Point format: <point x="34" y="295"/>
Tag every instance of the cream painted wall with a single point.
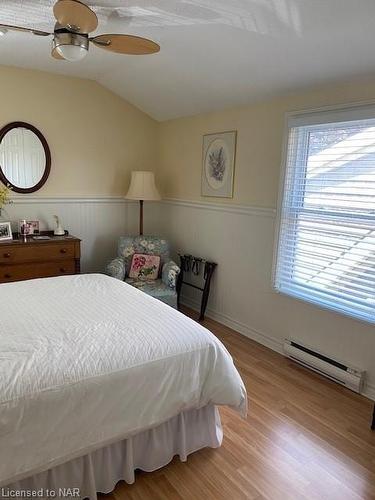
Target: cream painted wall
<point x="96" y="138"/>
<point x="260" y="133"/>
<point x="241" y="239"/>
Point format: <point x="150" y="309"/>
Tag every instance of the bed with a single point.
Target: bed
<point x="97" y="379"/>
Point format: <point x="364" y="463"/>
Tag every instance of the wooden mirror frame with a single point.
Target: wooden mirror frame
<point x="47" y="152"/>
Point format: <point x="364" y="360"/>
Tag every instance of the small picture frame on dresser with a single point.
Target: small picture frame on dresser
<point x="28" y="227"/>
<point x="5" y="231"/>
<point x="34" y="226"/>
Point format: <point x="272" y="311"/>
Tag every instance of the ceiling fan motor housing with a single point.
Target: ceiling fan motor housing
<point x="71" y="46"/>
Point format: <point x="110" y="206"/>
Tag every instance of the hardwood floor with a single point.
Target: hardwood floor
<point x="304" y="438"/>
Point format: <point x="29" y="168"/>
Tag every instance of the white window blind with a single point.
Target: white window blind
<point x="326" y="235"/>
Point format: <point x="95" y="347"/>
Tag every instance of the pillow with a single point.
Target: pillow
<point x="144" y="267"/>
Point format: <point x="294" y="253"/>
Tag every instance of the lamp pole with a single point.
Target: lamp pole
<point x="140" y="217"/>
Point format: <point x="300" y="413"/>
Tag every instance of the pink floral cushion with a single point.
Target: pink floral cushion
<point x="144" y="267"/>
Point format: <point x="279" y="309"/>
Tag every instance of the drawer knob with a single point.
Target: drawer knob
<point x="63" y="250"/>
<point x="7" y="255"/>
<point x="7" y="276"/>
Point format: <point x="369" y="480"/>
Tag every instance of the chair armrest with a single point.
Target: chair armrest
<point x="116" y="268"/>
<point x="170" y="273"/>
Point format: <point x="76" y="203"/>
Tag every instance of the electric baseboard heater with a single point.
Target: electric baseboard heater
<point x="350" y="377"/>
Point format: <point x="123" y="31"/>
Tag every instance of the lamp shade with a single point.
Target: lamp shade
<point x="142" y="187"/>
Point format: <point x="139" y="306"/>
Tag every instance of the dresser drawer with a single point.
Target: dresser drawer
<point x="36" y="270"/>
<point x="34" y="253"/>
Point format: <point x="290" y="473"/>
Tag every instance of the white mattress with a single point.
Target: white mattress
<point x="88" y="360"/>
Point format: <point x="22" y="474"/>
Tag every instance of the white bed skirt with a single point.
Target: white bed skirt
<point x="149" y="450"/>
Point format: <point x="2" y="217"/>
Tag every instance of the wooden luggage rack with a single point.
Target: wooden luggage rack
<point x="192" y="265"/>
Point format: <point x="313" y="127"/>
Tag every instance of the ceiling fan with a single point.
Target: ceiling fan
<point x="75" y="20"/>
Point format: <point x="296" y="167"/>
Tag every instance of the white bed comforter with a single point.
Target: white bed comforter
<point x="88" y="360"/>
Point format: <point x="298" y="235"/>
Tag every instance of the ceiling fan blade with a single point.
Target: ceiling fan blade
<point x="126" y="44"/>
<point x="75" y="15"/>
<point x="25" y="30"/>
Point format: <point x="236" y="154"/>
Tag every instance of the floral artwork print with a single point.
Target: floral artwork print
<point x="217" y="164"/>
<point x="145" y="266"/>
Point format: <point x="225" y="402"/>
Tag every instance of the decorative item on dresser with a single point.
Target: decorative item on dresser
<point x="59" y="230"/>
<point x="39" y="258"/>
<point x="5" y="231"/>
<point x="28" y="227"/>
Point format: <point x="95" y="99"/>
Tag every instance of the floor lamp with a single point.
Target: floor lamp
<point x="142" y="188"/>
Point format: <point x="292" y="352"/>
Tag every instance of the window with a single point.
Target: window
<point x="326" y="231"/>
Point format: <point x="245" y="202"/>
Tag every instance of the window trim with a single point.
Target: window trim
<point x="334" y="114"/>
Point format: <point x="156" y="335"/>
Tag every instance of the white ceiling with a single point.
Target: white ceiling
<point x="214" y="53"/>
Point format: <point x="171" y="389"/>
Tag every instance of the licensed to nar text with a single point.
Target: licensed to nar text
<point x="43" y="493"/>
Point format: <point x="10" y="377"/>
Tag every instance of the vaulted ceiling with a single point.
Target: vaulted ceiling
<point x="214" y="53"/>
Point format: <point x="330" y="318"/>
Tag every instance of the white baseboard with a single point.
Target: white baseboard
<point x="239" y="327"/>
<point x="253" y="334"/>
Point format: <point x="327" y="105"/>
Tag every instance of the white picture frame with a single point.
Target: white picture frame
<point x="218" y="162"/>
<point x="5" y="231"/>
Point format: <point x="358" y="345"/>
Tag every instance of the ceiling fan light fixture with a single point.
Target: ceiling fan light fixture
<point x="71" y="46"/>
<point x="72" y="53"/>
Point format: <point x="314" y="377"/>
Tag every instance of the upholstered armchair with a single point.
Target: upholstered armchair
<point x="164" y="288"/>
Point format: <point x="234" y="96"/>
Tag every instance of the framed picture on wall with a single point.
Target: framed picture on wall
<point x="5" y="231"/>
<point x="219" y="156"/>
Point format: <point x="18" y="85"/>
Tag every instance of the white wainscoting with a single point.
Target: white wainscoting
<point x="97" y="221"/>
<point x="237" y="238"/>
<point x="240" y="239"/>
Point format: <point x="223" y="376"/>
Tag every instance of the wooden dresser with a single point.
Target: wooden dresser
<point x="23" y="260"/>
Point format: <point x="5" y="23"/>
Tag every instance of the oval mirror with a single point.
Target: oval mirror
<point x="25" y="158"/>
